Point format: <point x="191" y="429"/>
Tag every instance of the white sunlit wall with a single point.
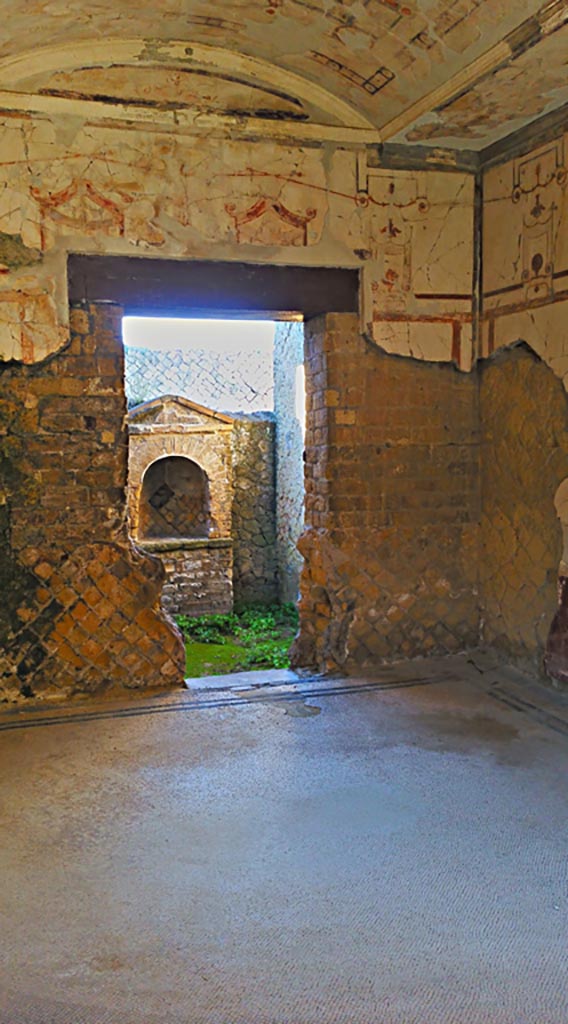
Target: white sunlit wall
<point x="225" y="365"/>
<point x="290" y="414"/>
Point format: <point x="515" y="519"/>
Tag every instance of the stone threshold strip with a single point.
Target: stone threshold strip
<point x="258" y="695"/>
<point x="512" y="698"/>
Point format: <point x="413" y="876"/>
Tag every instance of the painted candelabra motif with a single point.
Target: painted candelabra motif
<point x="525" y="255"/>
<point x="538" y="186"/>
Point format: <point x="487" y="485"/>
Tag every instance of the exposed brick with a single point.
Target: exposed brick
<point x="392" y="505"/>
<point x="71" y="528"/>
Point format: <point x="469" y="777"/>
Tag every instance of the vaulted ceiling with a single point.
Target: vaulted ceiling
<point x="443" y="73"/>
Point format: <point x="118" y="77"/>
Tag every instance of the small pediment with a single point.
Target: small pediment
<point x="170" y="411"/>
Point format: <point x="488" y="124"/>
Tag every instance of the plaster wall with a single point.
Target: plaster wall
<point x="522" y="396"/>
<point x="393" y="499"/>
<point x="67" y="184"/>
<point x="525" y="255"/>
<point x="314" y="62"/>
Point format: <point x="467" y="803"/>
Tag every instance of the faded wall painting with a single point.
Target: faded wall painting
<point x="378" y="56"/>
<point x="418" y="282"/>
<point x="68" y="187"/>
<point x="525" y="255"/>
<point x="512" y="95"/>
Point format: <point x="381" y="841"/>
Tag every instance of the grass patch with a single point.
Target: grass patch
<point x="254" y="637"/>
<point x="211" y="659"/>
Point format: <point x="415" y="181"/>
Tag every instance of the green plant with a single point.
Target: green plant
<point x="268" y="654"/>
<point x="255" y="636"/>
<point x="208" y="629"/>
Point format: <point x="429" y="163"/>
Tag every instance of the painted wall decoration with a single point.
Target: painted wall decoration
<point x="380" y="55"/>
<point x="173" y="88"/>
<point x="525" y="254"/>
<point x="532" y="84"/>
<point x="68" y="186"/>
<point x="418" y="294"/>
<point x="275" y="217"/>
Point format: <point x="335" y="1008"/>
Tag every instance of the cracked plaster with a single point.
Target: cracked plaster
<point x="525" y="255"/>
<point x="514" y="94"/>
<point x="103" y="190"/>
<point x="378" y="55"/>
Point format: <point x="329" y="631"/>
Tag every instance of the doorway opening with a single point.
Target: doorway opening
<point x="135" y="639"/>
<point x="216" y="418"/>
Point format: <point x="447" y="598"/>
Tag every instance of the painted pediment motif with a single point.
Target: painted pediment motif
<point x="269" y="222"/>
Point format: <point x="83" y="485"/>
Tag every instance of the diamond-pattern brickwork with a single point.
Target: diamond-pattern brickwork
<point x="429" y="508"/>
<point x="254" y="511"/>
<point x="83" y="610"/>
<point x="239" y="381"/>
<point x="174" y="500"/>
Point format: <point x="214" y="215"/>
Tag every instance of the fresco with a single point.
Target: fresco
<point x="171" y="87"/>
<point x="514" y="95"/>
<point x="378" y="55"/>
<point x="72" y="187"/>
<point x="525" y="254"/>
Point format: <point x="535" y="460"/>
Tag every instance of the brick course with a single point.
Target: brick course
<point x="199" y="577"/>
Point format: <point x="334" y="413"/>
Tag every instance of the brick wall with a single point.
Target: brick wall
<point x="407" y="540"/>
<point x="199" y="576"/>
<point x="392" y="504"/>
<point x="83" y="612"/>
<point x="524" y="417"/>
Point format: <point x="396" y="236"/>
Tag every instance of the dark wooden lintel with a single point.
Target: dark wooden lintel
<point x="207" y="288"/>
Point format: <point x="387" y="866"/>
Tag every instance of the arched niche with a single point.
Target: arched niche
<point x="174" y="500"/>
